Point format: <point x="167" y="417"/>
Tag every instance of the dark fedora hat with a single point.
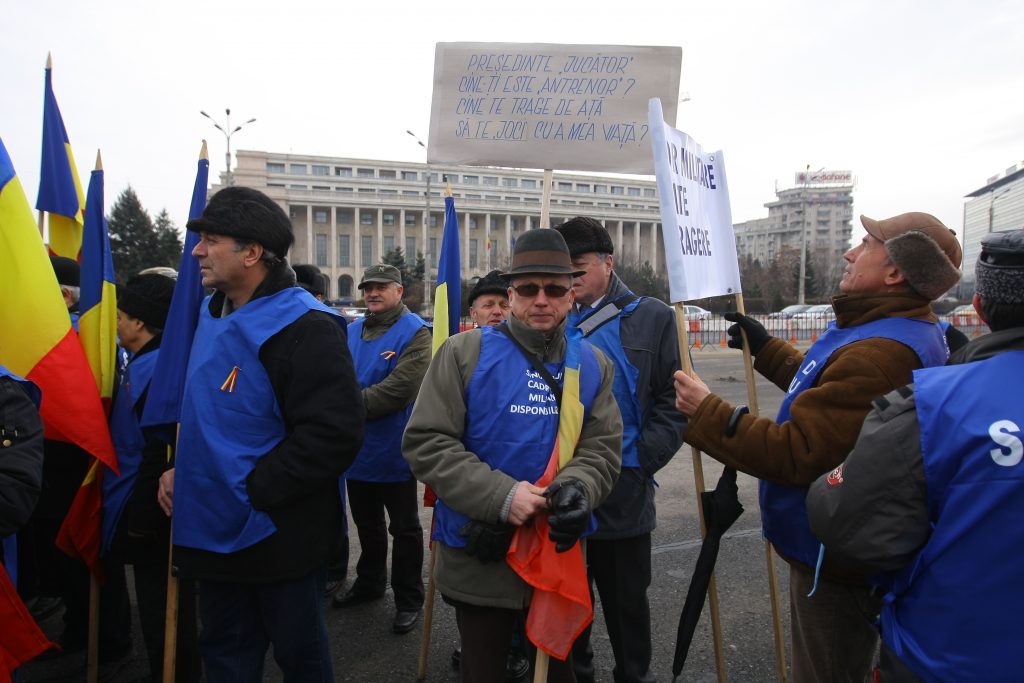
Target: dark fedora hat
<point x="541" y="251"/>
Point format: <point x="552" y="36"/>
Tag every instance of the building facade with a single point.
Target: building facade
<point x="348" y="213"/>
<point x="996" y="206"/>
<point x="821" y="214"/>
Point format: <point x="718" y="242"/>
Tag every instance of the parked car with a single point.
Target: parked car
<point x="789" y="311"/>
<point x="815" y="317"/>
<point x="964" y="316"/>
<point x="350" y="313"/>
<point x="697" y="313"/>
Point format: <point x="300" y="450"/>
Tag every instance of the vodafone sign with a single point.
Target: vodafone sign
<point x="824" y="177"/>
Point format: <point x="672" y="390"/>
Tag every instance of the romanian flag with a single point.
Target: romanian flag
<point x="60" y="192"/>
<point x="448" y="295"/>
<point x="163" y="401"/>
<point x="97" y="305"/>
<point x="560" y="609"/>
<point x="38" y="342"/>
<point x="21" y="640"/>
<point x="79" y="535"/>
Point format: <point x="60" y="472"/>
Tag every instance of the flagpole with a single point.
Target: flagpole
<point x="698" y="482"/>
<point x="545" y="203"/>
<point x="773" y="585"/>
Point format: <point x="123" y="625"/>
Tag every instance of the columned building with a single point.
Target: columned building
<point x="348" y="213"/>
<point x="995" y="207"/>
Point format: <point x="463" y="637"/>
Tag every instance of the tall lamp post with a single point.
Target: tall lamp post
<point x="228" y="132"/>
<point x="992" y="206"/>
<point x="426" y="222"/>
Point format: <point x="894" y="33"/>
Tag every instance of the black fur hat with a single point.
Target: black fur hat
<point x="999" y="275"/>
<point x="147" y="297"/>
<point x="584" y="235"/>
<point x="67" y="270"/>
<point x="492" y="283"/>
<point x="247" y="214"/>
<point x="310" y="278"/>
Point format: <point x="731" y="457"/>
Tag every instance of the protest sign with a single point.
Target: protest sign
<point x="568" y="107"/>
<point x="700" y="249"/>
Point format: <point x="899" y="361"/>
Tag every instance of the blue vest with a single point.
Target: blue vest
<point x="783" y="510"/>
<point x="10" y="543"/>
<point x="512" y="417"/>
<point x="229" y="420"/>
<point x="128" y="442"/>
<point x="380" y="459"/>
<point x="953" y="613"/>
<point x="607" y="337"/>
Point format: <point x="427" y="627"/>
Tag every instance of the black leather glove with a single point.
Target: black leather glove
<point x="570" y="513"/>
<point x="488" y="542"/>
<point x="756" y="334"/>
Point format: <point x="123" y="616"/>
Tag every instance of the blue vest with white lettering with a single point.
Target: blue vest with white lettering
<point x="9" y="555"/>
<point x="783" y="511"/>
<point x="953" y="613"/>
<point x="512" y="417"/>
<point x="608" y="338"/>
<point x="229" y="420"/>
<point x="380" y="459"/>
<point x="128" y="442"/>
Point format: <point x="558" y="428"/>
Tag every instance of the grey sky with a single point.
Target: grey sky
<point x="922" y="100"/>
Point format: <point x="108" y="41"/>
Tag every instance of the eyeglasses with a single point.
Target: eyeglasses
<point x="551" y="291"/>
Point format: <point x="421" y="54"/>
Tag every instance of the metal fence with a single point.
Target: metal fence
<point x="711" y="333"/>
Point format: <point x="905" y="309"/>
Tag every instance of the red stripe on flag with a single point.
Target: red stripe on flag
<point x="21" y="640"/>
<point x="79" y="535"/>
<point x="69" y="410"/>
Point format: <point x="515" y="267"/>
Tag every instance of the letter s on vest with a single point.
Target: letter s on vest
<point x="999" y="431"/>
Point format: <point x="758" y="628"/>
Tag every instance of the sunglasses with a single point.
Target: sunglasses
<point x="551" y="291"/>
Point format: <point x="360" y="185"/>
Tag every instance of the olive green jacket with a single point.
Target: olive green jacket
<point x="433" y="446"/>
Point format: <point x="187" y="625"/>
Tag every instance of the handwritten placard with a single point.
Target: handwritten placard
<point x="696" y="219"/>
<point x="567" y="107"/>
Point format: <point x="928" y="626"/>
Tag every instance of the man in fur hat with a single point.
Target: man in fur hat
<point x="927" y="496"/>
<point x="488" y="300"/>
<point x="271" y="417"/>
<point x="884" y="330"/>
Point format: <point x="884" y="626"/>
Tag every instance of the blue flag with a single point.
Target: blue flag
<point x="448" y="295"/>
<point x="163" y="403"/>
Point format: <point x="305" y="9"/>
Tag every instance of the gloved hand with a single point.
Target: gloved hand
<point x="756" y="334"/>
<point x="488" y="542"/>
<point x="570" y="513"/>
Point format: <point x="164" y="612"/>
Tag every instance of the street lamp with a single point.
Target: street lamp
<point x="228" y="132"/>
<point x="992" y="205"/>
<point x="426" y="221"/>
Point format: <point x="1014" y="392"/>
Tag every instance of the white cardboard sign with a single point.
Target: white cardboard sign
<point x="566" y="107"/>
<point x="696" y="220"/>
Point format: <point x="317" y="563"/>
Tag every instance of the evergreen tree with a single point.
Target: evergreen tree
<point x="135" y="243"/>
<point x="169" y="250"/>
<point x="643" y="280"/>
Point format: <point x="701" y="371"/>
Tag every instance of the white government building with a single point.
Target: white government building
<point x="348" y="213"/>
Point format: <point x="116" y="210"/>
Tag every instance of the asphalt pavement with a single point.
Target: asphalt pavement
<point x="366" y="651"/>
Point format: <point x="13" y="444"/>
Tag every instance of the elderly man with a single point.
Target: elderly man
<point x="482" y="434"/>
<point x="391" y="349"/>
<point x="135" y="531"/>
<point x="884" y="330"/>
<point x="488" y="300"/>
<point x="271" y="417"/>
<point x="928" y="494"/>
<point x="639" y="335"/>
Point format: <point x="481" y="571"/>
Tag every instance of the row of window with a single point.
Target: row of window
<point x="274" y="167"/>
<point x="321" y="217"/>
<point x="366" y="257"/>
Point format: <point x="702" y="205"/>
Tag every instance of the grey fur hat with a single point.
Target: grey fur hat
<point x="999" y="275"/>
<point x="926" y="251"/>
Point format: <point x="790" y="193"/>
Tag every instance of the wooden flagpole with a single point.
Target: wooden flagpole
<point x="773" y="586"/>
<point x="171" y="611"/>
<point x="698" y="482"/>
<point x="93" y="642"/>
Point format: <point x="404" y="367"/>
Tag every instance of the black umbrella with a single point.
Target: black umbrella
<point x="721" y="508"/>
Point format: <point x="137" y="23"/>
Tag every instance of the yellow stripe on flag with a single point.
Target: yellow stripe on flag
<point x="98" y="334"/>
<point x="65" y="236"/>
<point x="570" y="418"/>
<point x="441" y="331"/>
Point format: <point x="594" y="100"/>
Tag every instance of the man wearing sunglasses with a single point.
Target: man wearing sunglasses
<point x="482" y="433"/>
<point x="639" y="335"/>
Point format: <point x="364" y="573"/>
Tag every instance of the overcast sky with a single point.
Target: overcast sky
<point x="923" y="101"/>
